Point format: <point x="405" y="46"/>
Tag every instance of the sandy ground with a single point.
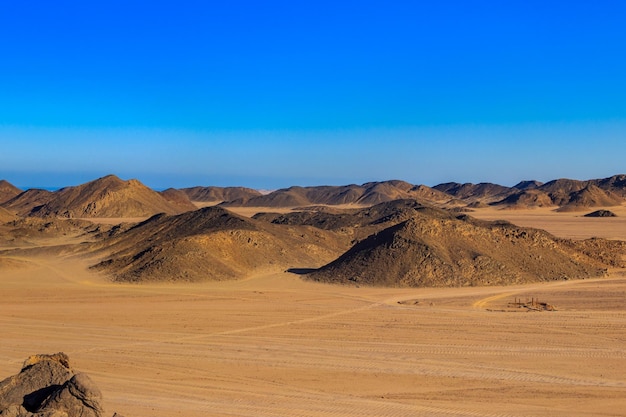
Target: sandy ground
<point x="275" y="345"/>
<point x="570" y="224"/>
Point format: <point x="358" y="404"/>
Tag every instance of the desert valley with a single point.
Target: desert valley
<point x="380" y="299"/>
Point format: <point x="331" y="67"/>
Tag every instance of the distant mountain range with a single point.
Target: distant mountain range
<point x="110" y="196"/>
<point x="388" y="233"/>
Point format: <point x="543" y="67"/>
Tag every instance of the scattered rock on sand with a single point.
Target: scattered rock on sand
<point x="48" y="387"/>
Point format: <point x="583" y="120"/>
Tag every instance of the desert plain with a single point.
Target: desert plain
<point x="274" y="344"/>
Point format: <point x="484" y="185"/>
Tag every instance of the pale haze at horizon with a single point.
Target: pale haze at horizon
<point x="287" y="93"/>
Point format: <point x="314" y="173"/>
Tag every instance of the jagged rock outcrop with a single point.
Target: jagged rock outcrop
<point x="48" y="387"/>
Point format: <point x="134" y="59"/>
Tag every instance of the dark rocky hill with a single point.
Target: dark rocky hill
<point x="212" y="244"/>
<point x="590" y="196"/>
<point x="220" y="194"/>
<point x="24" y="203"/>
<point x="433" y="251"/>
<point x="365" y="195"/>
<point x="468" y="192"/>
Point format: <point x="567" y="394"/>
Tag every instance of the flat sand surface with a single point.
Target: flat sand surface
<point x="275" y="345"/>
<point x="569" y="224"/>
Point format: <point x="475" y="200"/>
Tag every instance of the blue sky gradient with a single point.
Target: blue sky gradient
<point x="277" y="93"/>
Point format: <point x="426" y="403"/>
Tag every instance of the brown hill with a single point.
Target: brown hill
<point x="213" y="244"/>
<point x="285" y="197"/>
<point x="528" y="185"/>
<point x="367" y="194"/>
<point x="527" y="198"/>
<point x="432" y="195"/>
<point x="615" y="184"/>
<point x="591" y="196"/>
<point x="356" y="223"/>
<point x="8" y="191"/>
<point x="23" y="232"/>
<point x="485" y="192"/>
<point x="28" y="201"/>
<point x="6" y="215"/>
<point x="561" y="189"/>
<point x="435" y="251"/>
<point x="379" y="192"/>
<point x="107" y="197"/>
<point x="178" y="198"/>
<point x="219" y="194"/>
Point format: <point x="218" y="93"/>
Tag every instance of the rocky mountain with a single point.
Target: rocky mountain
<point x="220" y="194"/>
<point x="468" y="192"/>
<point x="528" y="185"/>
<point x="8" y="191"/>
<point x="590" y="196"/>
<point x="615" y="184"/>
<point x="24" y="203"/>
<point x="178" y="198"/>
<point x="560" y="190"/>
<point x="567" y="195"/>
<point x="367" y="194"/>
<point x="527" y="198"/>
<point x="212" y="244"/>
<point x="358" y="223"/>
<point x="6" y="215"/>
<point x="107" y="197"/>
<point x="438" y="250"/>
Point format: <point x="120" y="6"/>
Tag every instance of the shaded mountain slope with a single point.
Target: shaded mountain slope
<point x="6" y="215"/>
<point x="527" y="185"/>
<point x="484" y="192"/>
<point x="357" y="223"/>
<point x="8" y="191"/>
<point x="367" y="194"/>
<point x="107" y="197"/>
<point x="527" y="198"/>
<point x="568" y="195"/>
<point x="212" y="244"/>
<point x="219" y="194"/>
<point x="27" y="232"/>
<point x="27" y="201"/>
<point x="427" y="251"/>
<point x="590" y="196"/>
<point x="561" y="189"/>
<point x="286" y="197"/>
<point x="178" y="198"/>
<point x="615" y="184"/>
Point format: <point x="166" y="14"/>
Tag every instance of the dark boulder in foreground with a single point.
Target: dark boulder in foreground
<point x="601" y="213"/>
<point x="48" y="387"/>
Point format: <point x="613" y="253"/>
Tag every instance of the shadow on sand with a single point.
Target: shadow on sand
<point x="301" y="271"/>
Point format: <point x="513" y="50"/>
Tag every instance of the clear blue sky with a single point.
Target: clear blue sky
<point x="275" y="93"/>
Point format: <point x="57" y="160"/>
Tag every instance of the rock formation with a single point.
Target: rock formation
<point x="601" y="213"/>
<point x="48" y="387"/>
